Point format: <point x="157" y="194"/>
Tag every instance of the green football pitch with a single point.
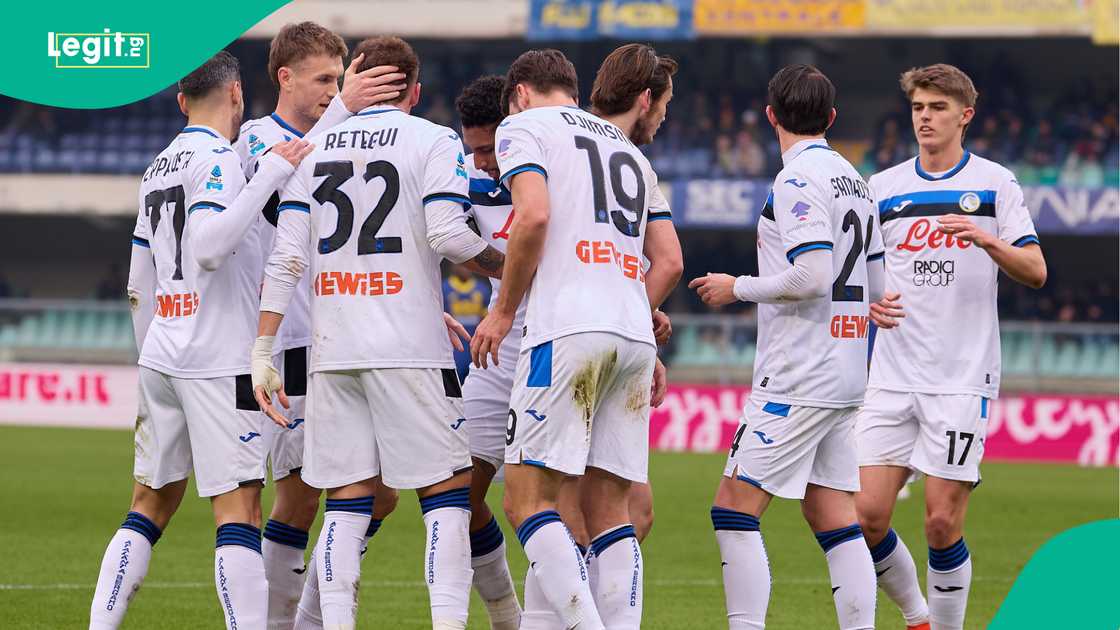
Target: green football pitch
<point x="65" y="491"/>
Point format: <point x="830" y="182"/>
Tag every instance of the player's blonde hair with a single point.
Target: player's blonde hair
<point x="943" y="78"/>
<point x="296" y="42"/>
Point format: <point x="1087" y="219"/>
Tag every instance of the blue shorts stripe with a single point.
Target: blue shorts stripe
<point x="540" y="366"/>
<point x="778" y="409"/>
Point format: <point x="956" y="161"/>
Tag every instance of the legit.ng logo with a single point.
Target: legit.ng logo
<point x="105" y="50"/>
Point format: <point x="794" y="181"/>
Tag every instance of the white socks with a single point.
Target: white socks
<point x="538" y="613"/>
<point x="123" y="568"/>
<point x="239" y="577"/>
<point x="617" y="578"/>
<point x="447" y="557"/>
<point x="898" y="577"/>
<point x="746" y="569"/>
<point x="559" y="569"/>
<point x="283" y="549"/>
<point x="338" y="559"/>
<point x="492" y="579"/>
<point x="853" y="576"/>
<point x="947" y="583"/>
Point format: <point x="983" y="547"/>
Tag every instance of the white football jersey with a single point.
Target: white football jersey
<point x="256" y="138"/>
<point x="813" y="352"/>
<point x="601" y="187"/>
<point x="205" y="321"/>
<point x="377" y="190"/>
<point x="949" y="341"/>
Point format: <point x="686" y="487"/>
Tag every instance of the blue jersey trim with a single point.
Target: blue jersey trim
<point x="199" y="130"/>
<point x="806" y="247"/>
<point x="1026" y="240"/>
<point x="373" y="112"/>
<point x="294" y="205"/>
<point x="929" y="197"/>
<point x="953" y="171"/>
<point x="283" y="123"/>
<point x="142" y="242"/>
<point x="206" y="205"/>
<point x="874" y="257"/>
<point x="523" y="168"/>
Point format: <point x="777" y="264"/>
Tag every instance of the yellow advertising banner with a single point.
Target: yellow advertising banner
<point x="1106" y="21"/>
<point x="983" y="16"/>
<point x="767" y="17"/>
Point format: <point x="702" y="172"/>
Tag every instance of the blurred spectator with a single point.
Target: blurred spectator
<point x="112" y="284"/>
<point x="465" y="297"/>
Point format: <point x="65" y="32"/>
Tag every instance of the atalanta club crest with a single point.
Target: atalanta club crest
<point x="969" y="202"/>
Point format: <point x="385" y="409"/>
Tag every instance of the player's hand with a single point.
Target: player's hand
<point x="488" y="337"/>
<point x="887" y="311"/>
<point x="293" y="150"/>
<point x="662" y="328"/>
<point x="660" y="384"/>
<point x="715" y="289"/>
<point x="266" y="380"/>
<point x="457" y="332"/>
<point x="964" y="229"/>
<point x="370" y="86"/>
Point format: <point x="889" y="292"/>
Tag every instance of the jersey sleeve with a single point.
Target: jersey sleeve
<point x="801" y="213"/>
<point x="875" y="247"/>
<point x="519" y="148"/>
<point x="659" y="209"/>
<point x="216" y="178"/>
<point x="142" y="233"/>
<point x="445" y="172"/>
<point x="291" y="248"/>
<point x="1013" y="219"/>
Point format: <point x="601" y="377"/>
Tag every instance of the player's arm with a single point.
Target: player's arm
<point x="446" y="204"/>
<point x="523" y="164"/>
<point x="662" y="248"/>
<point x="141" y="281"/>
<point x="1016" y="248"/>
<point x="217" y="228"/>
<point x="802" y="219"/>
<point x="290" y="257"/>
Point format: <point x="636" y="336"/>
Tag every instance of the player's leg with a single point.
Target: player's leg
<point x="296" y="503"/>
<point x="619" y="457"/>
<point x="309" y="611"/>
<point x="949" y="451"/>
<point x="886" y="431"/>
<point x="486" y="407"/>
<point x="640" y="502"/>
<point x="547" y="439"/>
<point x="423" y="446"/>
<point x="738" y="506"/>
<point x="162" y="459"/>
<point x="492" y="578"/>
<point x="340" y="454"/>
<point x="829" y="508"/>
<point x="224" y="423"/>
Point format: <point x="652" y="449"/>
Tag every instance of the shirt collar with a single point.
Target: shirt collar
<point x="935" y="178"/>
<point x="283" y="123"/>
<point x="373" y="110"/>
<point x="801" y="147"/>
<point x="210" y="131"/>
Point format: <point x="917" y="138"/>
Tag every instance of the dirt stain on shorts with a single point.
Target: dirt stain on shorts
<point x="589" y="383"/>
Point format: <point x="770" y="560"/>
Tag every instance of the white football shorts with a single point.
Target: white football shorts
<point x="486" y="395"/>
<point x="783" y="448"/>
<point x="583" y="400"/>
<point x="404" y="424"/>
<point x="212" y="425"/>
<point x="941" y="435"/>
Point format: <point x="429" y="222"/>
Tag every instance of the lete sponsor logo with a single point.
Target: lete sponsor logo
<point x="1023" y="427"/>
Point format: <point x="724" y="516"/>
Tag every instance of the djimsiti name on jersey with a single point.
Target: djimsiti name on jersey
<point x="107" y="49"/>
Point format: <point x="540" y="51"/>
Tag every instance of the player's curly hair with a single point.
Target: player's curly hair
<point x="480" y="103"/>
<point x="219" y="70"/>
